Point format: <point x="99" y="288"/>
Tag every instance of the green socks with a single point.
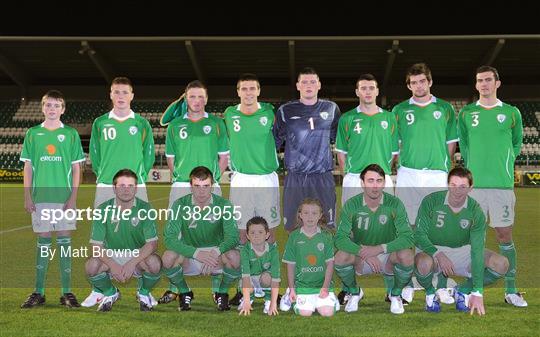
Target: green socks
<point x="509" y="251"/>
<point x="347" y="275"/>
<point x="42" y="262"/>
<point x="176" y="277"/>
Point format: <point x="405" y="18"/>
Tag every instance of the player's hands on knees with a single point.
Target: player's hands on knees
<point x="375" y="264"/>
<point x="117" y="272"/>
<point x="292" y="294"/>
<point x="323" y="293"/>
<point x="477" y="303"/>
<point x="208" y="257"/>
<point x="369" y="251"/>
<point x="128" y="269"/>
<point x="206" y="269"/>
<point x="446" y="266"/>
<point x="246" y="307"/>
<point x="29" y="205"/>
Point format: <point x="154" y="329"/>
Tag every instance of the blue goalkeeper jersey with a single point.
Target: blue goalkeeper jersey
<point x="307" y="131"/>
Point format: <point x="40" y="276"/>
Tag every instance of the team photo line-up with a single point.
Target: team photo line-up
<point x="432" y="226"/>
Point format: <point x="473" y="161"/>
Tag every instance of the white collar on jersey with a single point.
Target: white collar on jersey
<point x="462" y="207"/>
<point x="499" y="103"/>
<point x="316" y="232"/>
<point x="358" y="109"/>
<point x="265" y="250"/>
<point x="43" y="124"/>
<point x="258" y="106"/>
<point x="115" y="116"/>
<point x="432" y="100"/>
<point x="364" y="200"/>
<point x="186" y="116"/>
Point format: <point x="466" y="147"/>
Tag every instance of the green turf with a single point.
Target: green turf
<point x="17" y="254"/>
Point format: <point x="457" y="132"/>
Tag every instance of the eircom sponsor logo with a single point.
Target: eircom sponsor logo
<point x="312" y="260"/>
<point x="51" y="150"/>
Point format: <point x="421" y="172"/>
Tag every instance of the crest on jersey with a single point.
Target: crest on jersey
<point x="464" y="223"/>
<point x="206" y="129"/>
<point x="382" y="219"/>
<point x="133" y="130"/>
<point x="61" y="138"/>
<point x="501" y="118"/>
<point x="320" y="246"/>
<point x="324" y="115"/>
<point x="437" y="114"/>
<point x="134" y="221"/>
<point x="263" y="120"/>
<point x="384" y="125"/>
<point x="266" y="265"/>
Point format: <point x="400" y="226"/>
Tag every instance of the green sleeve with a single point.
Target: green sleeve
<point x="517" y="132"/>
<point x="98" y="232"/>
<point x="275" y="266"/>
<point x="94" y="148"/>
<point x="76" y="148"/>
<point x="342" y="239"/>
<point x="423" y="222"/>
<point x="170" y="141"/>
<point x="404" y="234"/>
<point x="451" y="127"/>
<point x="148" y="148"/>
<point x="244" y="261"/>
<point x="341" y="139"/>
<point x="463" y="136"/>
<point x="174" y="241"/>
<point x="149" y="229"/>
<point x="329" y="248"/>
<point x="289" y="256"/>
<point x="26" y="154"/>
<point x="395" y="111"/>
<point x="478" y="238"/>
<point x="395" y="135"/>
<point x="223" y="139"/>
<point x="230" y="231"/>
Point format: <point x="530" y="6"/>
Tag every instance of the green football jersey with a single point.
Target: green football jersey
<point x="490" y="141"/>
<point x="193" y="144"/>
<point x="367" y="139"/>
<point x="51" y="154"/>
<point x="116" y="145"/>
<point x="251" y="263"/>
<point x="113" y="232"/>
<point x="424" y="132"/>
<point x="359" y="225"/>
<point x="253" y="148"/>
<point x="309" y="255"/>
<point x="192" y="227"/>
<point x="437" y="224"/>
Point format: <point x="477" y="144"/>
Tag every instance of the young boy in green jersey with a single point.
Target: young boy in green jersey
<point x="309" y="255"/>
<point x="52" y="154"/>
<point x="260" y="267"/>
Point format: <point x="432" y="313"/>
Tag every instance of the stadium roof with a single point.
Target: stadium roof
<point x="218" y="60"/>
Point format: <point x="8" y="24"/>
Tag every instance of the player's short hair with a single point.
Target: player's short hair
<point x="201" y="173"/>
<point x="248" y="77"/>
<point x="258" y="220"/>
<point x="122" y="80"/>
<point x="484" y="69"/>
<point x="461" y="172"/>
<point x="374" y="168"/>
<point x="124" y="173"/>
<point x="366" y="77"/>
<point x="311" y="201"/>
<point x="196" y="84"/>
<point x="54" y="94"/>
<point x="418" y="69"/>
<point x="307" y="71"/>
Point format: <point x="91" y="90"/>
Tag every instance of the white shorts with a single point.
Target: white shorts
<point x="498" y="205"/>
<point x="193" y="267"/>
<point x="105" y="192"/>
<point x="313" y="302"/>
<point x="181" y="189"/>
<point x="352" y="186"/>
<point x="256" y="195"/>
<point x="122" y="260"/>
<point x="42" y="218"/>
<point x="413" y="185"/>
<point x="460" y="257"/>
<point x="366" y="269"/>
